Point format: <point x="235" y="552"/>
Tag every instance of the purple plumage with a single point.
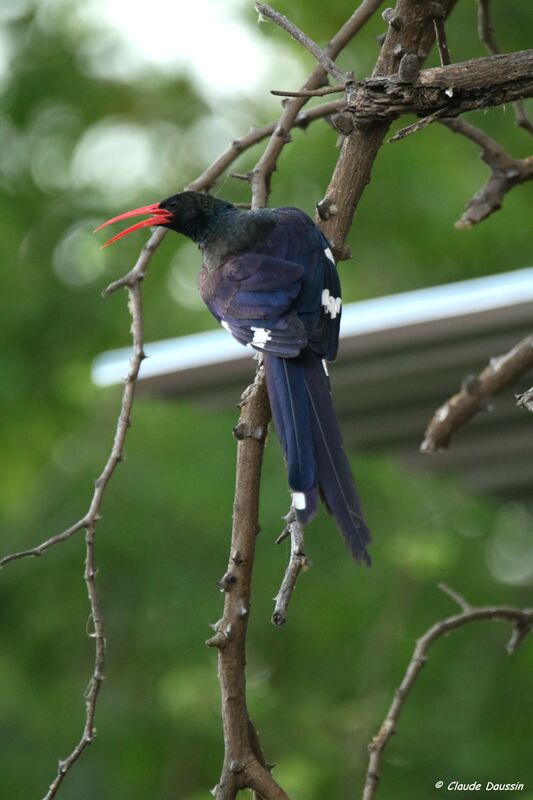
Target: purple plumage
<point x="269" y="278"/>
<point x="282" y="297"/>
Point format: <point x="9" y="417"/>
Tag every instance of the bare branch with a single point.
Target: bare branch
<point x="521" y="621"/>
<point x="298" y="561"/>
<point x="488" y="38"/>
<point x="132" y="282"/>
<point x="410" y="31"/>
<point x="506" y="173"/>
<point x="208" y="178"/>
<point x="310" y="92"/>
<point x="484" y="27"/>
<point x="452" y="89"/>
<point x="456" y="597"/>
<point x="262" y="173"/>
<point x="525" y="400"/>
<point x="417" y="126"/>
<point x="440" y="34"/>
<point x="299" y="36"/>
<point x="476" y="393"/>
<point x="242" y="766"/>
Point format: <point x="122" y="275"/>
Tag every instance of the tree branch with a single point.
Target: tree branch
<point x="327" y="64"/>
<point x="440" y="34"/>
<point x="208" y="178"/>
<point x="411" y="32"/>
<point x="525" y="400"/>
<point x="488" y="38"/>
<point x="298" y="561"/>
<point x="132" y="282"/>
<point x="521" y="621"/>
<point x="505" y="173"/>
<point x="310" y="92"/>
<point x="476" y="393"/>
<point x="262" y="172"/>
<point x="242" y="768"/>
<point x="450" y="90"/>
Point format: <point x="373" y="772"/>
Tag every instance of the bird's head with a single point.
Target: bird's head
<point x="190" y="213"/>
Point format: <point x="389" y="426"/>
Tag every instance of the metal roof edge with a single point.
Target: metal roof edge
<point x="419" y="306"/>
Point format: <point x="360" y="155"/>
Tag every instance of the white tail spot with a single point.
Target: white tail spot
<point x="261" y="336"/>
<point x="298" y="501"/>
<point x="329" y="255"/>
<point x="332" y="305"/>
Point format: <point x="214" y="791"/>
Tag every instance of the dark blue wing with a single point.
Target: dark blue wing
<point x="319" y="303"/>
<point x="253" y="296"/>
<point x="282" y="296"/>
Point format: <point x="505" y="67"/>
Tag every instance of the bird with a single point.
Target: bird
<point x="269" y="278"/>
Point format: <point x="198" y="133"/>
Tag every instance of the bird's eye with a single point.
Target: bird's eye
<point x="172" y="203"/>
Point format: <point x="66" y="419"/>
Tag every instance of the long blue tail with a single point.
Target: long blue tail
<point x="308" y="429"/>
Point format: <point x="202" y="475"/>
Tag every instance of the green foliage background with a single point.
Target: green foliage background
<point x="320" y="686"/>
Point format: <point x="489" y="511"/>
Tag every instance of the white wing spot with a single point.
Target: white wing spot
<point x="329" y="255"/>
<point x="225" y="326"/>
<point x="261" y="336"/>
<point x="332" y="305"/>
<point x="299" y="501"/>
<point x="325" y="366"/>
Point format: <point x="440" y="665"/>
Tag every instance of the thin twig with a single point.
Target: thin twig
<point x="299" y="36"/>
<point x="484" y="27"/>
<point x="476" y="393"/>
<point x="132" y="281"/>
<point x="309" y="92"/>
<point x="487" y="37"/>
<point x="525" y="400"/>
<point x="263" y="170"/>
<point x="521" y="621"/>
<point x="418" y="126"/>
<point x="209" y="176"/>
<point x="442" y="43"/>
<point x="298" y="561"/>
<point x="456" y="597"/>
<point x="505" y="173"/>
<point x="359" y="150"/>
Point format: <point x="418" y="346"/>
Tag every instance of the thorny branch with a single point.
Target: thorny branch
<point x="505" y="173"/>
<point x="310" y="92"/>
<point x="132" y="281"/>
<point x="208" y="178"/>
<point x="323" y="59"/>
<point x="451" y="89"/>
<point x="476" y="393"/>
<point x="244" y="765"/>
<point x="440" y="34"/>
<point x="521" y="622"/>
<point x="410" y="35"/>
<point x="488" y="38"/>
<point x="262" y="172"/>
<point x="89" y="522"/>
<point x="525" y="400"/>
<point x="298" y="561"/>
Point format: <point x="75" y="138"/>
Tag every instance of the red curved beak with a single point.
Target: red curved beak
<point x="160" y="217"/>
